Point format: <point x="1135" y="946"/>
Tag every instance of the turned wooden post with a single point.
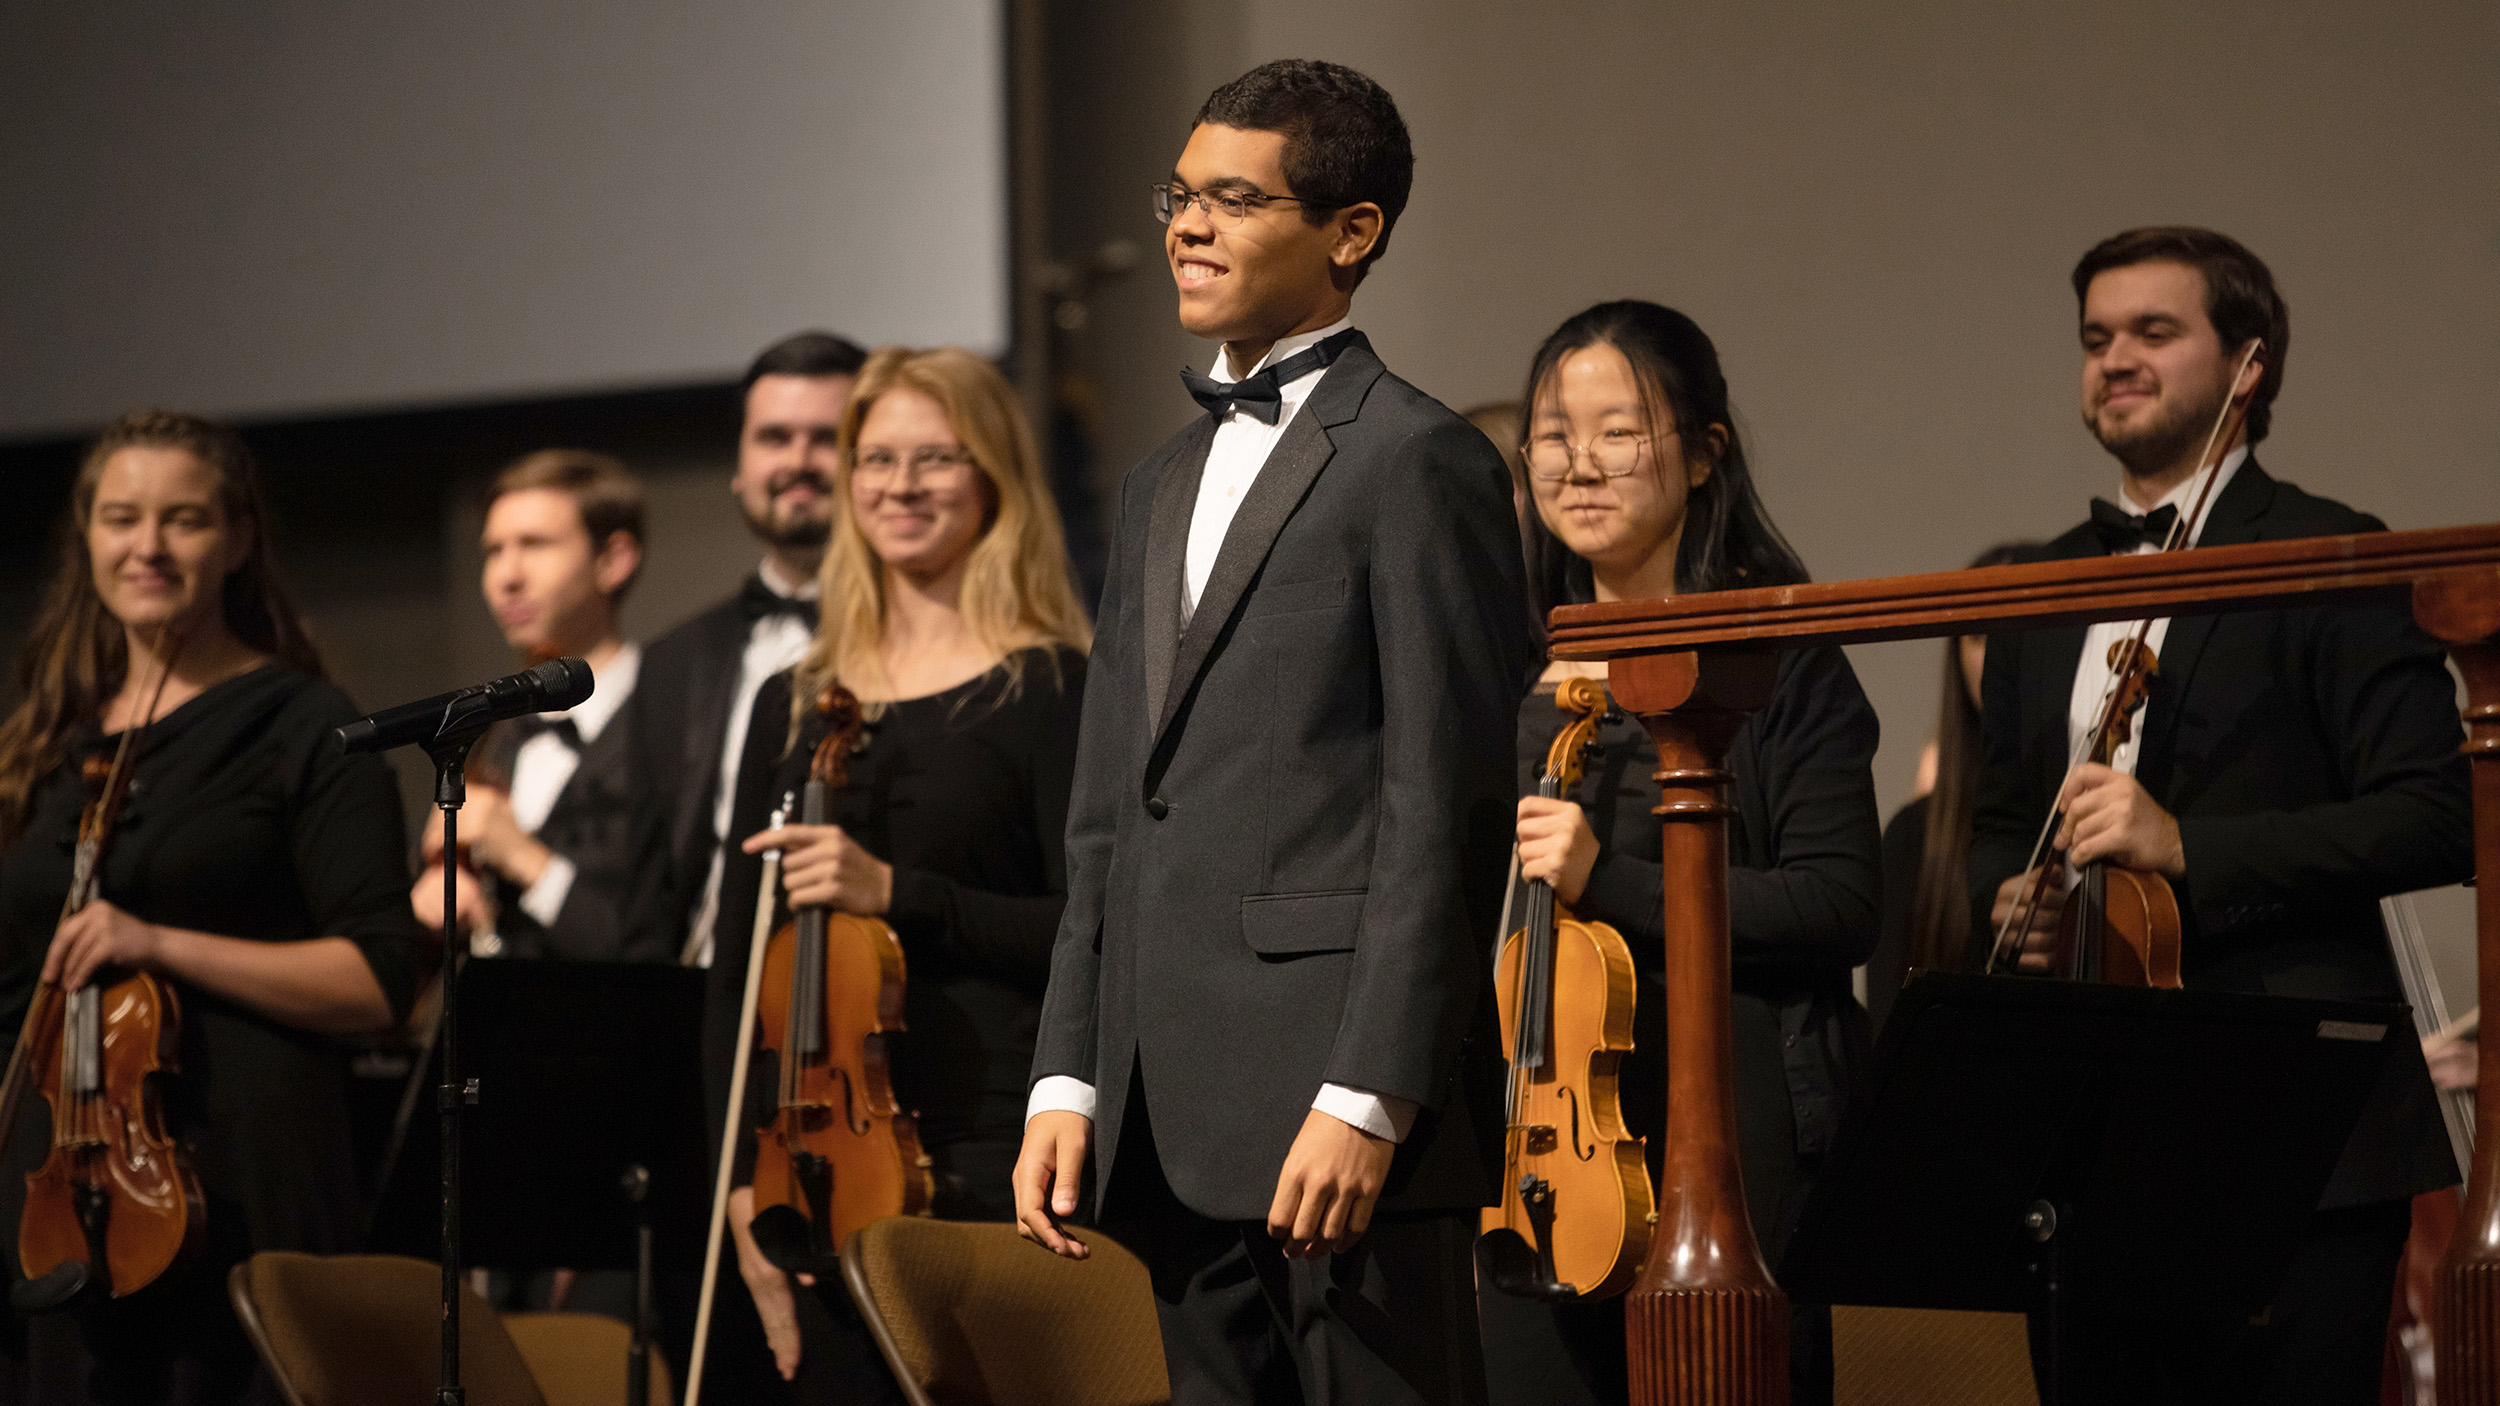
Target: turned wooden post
<point x="1703" y="1323"/>
<point x="2463" y="611"/>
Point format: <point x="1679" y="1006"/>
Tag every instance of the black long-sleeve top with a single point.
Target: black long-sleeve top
<point x="1803" y="887"/>
<point x="965" y="793"/>
<point x="243" y="820"/>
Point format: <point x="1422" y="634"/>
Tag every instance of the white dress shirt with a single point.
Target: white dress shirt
<point x="543" y="766"/>
<point x="2092" y="673"/>
<point x="776" y="642"/>
<point x="1242" y="444"/>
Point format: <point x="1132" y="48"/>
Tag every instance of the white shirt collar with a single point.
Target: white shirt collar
<point x="770" y="575"/>
<point x="1223" y="369"/>
<point x="614" y="684"/>
<point x="2183" y="496"/>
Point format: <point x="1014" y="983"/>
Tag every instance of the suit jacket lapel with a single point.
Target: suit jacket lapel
<point x="1167" y="551"/>
<point x="1291" y="467"/>
<point x="2233" y="519"/>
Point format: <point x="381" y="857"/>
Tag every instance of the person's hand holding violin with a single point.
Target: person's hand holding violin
<point x="1556" y="845"/>
<point x="99" y="936"/>
<point x="822" y="867"/>
<point x="2111" y="817"/>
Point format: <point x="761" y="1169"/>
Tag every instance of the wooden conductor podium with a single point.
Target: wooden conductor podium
<point x="1704" y="1322"/>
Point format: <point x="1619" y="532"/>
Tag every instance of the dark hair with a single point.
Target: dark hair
<point x="77" y="657"/>
<point x="1940" y="907"/>
<point x="805" y="354"/>
<point x="603" y="490"/>
<point x="2240" y="298"/>
<point x="1729" y="540"/>
<point x="1344" y="141"/>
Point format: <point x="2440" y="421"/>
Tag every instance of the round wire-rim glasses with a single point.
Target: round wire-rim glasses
<point x="1615" y="454"/>
<point x="877" y="466"/>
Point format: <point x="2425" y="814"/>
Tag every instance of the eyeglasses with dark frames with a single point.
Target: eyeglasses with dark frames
<point x="1226" y="208"/>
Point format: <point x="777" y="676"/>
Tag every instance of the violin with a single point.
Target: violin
<point x="116" y="1202"/>
<point x="2121" y="924"/>
<point x="834" y="1151"/>
<point x="1577" y="1210"/>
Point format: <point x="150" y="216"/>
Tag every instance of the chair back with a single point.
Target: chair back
<point x="366" y="1330"/>
<point x="1929" y="1357"/>
<point x="970" y="1313"/>
<point x="579" y="1358"/>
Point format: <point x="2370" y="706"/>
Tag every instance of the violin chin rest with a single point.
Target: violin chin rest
<point x="783" y="1235"/>
<point x="1505" y="1260"/>
<point x="57" y="1290"/>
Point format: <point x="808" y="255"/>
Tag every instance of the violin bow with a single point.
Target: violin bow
<point x="2183" y="531"/>
<point x="766" y="893"/>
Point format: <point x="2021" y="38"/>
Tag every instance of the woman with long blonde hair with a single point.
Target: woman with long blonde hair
<point x="256" y="870"/>
<point x="949" y="611"/>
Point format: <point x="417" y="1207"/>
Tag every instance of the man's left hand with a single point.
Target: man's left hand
<point x="1331" y="1181"/>
<point x="2110" y="816"/>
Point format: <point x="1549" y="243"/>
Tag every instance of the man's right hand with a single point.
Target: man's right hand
<point x="774" y="1303"/>
<point x="1046" y="1177"/>
<point x="2039" y="941"/>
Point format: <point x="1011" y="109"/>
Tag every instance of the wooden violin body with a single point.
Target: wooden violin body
<point x="115" y="1203"/>
<point x="1577" y="1209"/>
<point x="117" y="1190"/>
<point x="2121" y="925"/>
<point x="834" y="1150"/>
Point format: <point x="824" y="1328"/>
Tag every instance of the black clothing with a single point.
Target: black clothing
<point x="1286" y="842"/>
<point x="1287" y="837"/>
<point x="678" y="720"/>
<point x="592" y="824"/>
<point x="243" y="820"/>
<point x="1802" y="913"/>
<point x="1905" y="853"/>
<point x="1384" y="1323"/>
<point x="2310" y="756"/>
<point x="965" y="793"/>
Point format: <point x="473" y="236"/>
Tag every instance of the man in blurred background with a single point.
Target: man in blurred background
<point x="549" y="823"/>
<point x="700" y="679"/>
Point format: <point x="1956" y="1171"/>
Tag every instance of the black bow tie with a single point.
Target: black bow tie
<point x="1262" y="397"/>
<point x="539" y="724"/>
<point x="2123" y="531"/>
<point x="758" y="600"/>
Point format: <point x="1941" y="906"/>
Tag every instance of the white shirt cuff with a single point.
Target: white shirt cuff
<point x="1381" y="1115"/>
<point x="1060" y="1093"/>
<point x="544" y="900"/>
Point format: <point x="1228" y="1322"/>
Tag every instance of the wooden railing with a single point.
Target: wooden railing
<point x="1705" y="1322"/>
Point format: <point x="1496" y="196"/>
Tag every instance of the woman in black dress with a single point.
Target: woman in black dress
<point x="949" y="612"/>
<point x="1641" y="490"/>
<point x="260" y="872"/>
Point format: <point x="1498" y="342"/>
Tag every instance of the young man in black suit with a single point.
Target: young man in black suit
<point x="1292" y="803"/>
<point x="555" y="844"/>
<point x="2290" y="768"/>
<point x="700" y="679"/>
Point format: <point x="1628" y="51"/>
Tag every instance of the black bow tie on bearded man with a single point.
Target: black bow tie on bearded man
<point x="1262" y="396"/>
<point x="2122" y="531"/>
<point x="758" y="600"/>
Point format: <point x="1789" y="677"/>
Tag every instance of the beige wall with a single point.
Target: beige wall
<point x="1873" y="210"/>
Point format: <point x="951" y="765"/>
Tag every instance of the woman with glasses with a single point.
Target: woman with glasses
<point x="1641" y="490"/>
<point x="950" y="613"/>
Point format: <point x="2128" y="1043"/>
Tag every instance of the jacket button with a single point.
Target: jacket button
<point x="1158" y="808"/>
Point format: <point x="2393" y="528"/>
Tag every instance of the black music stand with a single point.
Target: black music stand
<point x="586" y="1133"/>
<point x="2055" y="1147"/>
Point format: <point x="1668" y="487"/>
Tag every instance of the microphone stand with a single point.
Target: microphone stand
<point x="451" y="755"/>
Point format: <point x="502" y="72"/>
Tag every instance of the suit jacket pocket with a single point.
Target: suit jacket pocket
<point x="1285" y="597"/>
<point x="1286" y="924"/>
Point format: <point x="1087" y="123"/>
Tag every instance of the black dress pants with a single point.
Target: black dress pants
<point x="1390" y="1321"/>
<point x="2322" y="1341"/>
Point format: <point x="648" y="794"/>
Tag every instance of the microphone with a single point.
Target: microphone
<point x="551" y="687"/>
